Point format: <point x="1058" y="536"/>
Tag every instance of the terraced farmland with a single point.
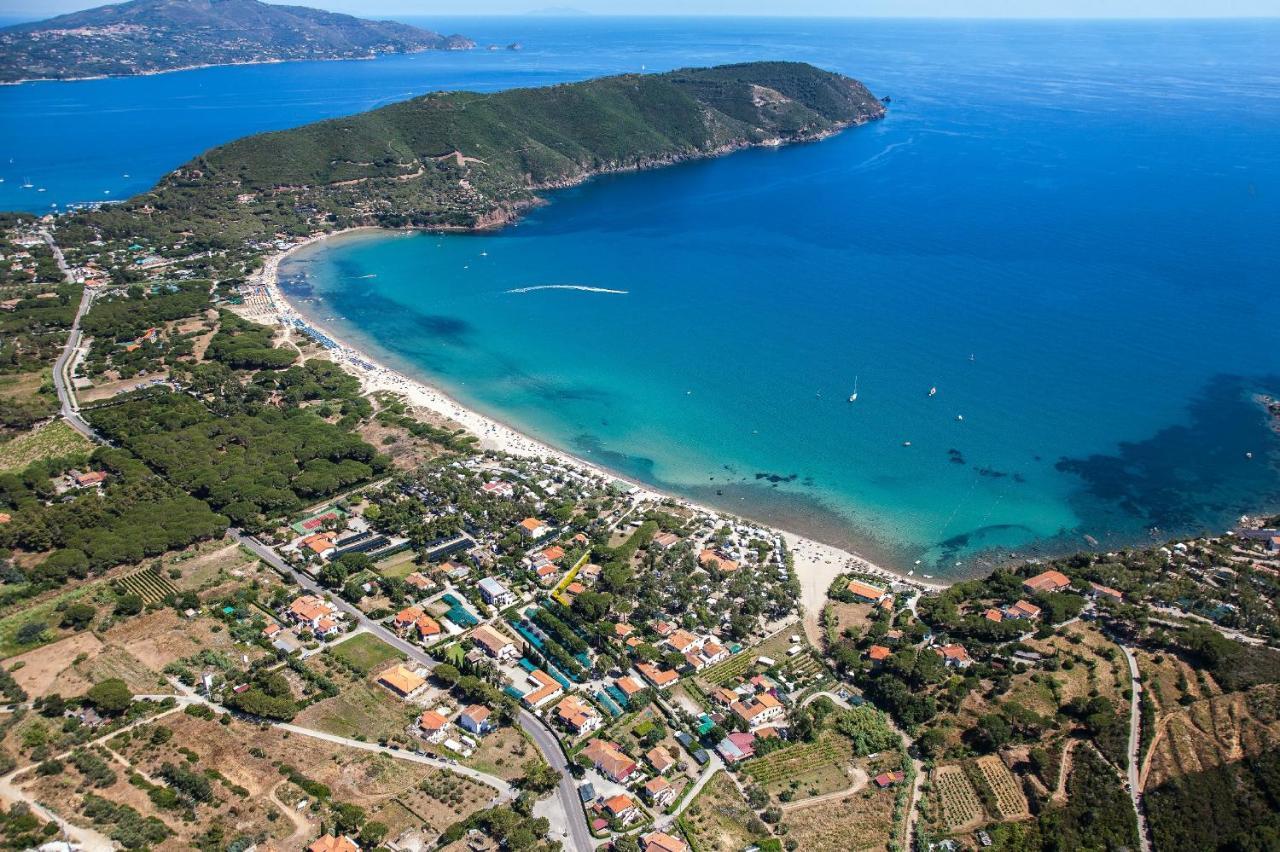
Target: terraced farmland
<point x="150" y="585"/>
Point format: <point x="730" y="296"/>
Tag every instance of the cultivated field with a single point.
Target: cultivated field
<point x="52" y="440"/>
<point x="961" y="808"/>
<point x="250" y="796"/>
<point x="362" y="710"/>
<point x="1213" y="731"/>
<point x="1010" y="800"/>
<point x="365" y="652"/>
<point x="806" y="769"/>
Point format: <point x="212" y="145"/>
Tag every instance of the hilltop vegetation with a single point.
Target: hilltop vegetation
<point x="146" y="36"/>
<point x="465" y="160"/>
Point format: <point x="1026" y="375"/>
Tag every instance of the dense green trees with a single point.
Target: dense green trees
<point x="244" y="345"/>
<point x="254" y="465"/>
<point x="111" y="696"/>
<point x="136" y="516"/>
<point x="126" y="317"/>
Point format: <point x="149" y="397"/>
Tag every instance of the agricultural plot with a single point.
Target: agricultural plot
<point x="960" y="805"/>
<point x="731" y="669"/>
<point x="150" y="585"/>
<point x="775" y="647"/>
<point x="1010" y="800"/>
<point x="53" y="440"/>
<point x="807" y="769"/>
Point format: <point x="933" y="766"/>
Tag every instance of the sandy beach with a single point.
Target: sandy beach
<point x="816" y="564"/>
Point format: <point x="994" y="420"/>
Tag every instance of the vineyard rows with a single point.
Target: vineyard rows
<point x="151" y="586"/>
<point x="1009" y="798"/>
<point x="960" y="805"/>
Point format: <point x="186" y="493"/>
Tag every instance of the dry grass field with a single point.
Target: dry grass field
<point x="859" y="821"/>
<point x="720" y="820"/>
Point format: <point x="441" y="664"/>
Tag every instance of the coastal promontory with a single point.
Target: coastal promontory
<point x="466" y="160"/>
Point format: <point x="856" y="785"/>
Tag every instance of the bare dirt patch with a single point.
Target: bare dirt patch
<point x="44" y="668"/>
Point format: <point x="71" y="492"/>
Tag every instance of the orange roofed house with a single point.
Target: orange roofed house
<point x="659" y="792"/>
<point x="657" y="841"/>
<point x="866" y="592"/>
<point x="661" y="678"/>
<point x="622" y="808"/>
<point x="628" y="685"/>
<point x="1047" y="581"/>
<point x="406" y="617"/>
<point x="329" y="843"/>
<point x="543" y="687"/>
<point x="534" y="528"/>
<point x="401" y="681"/>
<point x="321" y="544"/>
<point x="427" y="627"/>
<point x="955" y="655"/>
<point x="314" y="612"/>
<point x="577" y="715"/>
<point x="1097" y="590"/>
<point x="758" y="710"/>
<point x="434" y="726"/>
<point x="610" y="760"/>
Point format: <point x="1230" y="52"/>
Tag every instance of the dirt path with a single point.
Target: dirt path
<point x="860" y="779"/>
<point x="302" y="829"/>
<point x="1064" y="771"/>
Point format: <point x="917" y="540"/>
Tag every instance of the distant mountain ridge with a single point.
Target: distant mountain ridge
<point x="150" y="36"/>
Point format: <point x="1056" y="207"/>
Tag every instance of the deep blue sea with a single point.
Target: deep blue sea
<point x="1070" y="230"/>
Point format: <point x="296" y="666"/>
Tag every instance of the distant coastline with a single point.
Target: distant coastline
<point x="158" y="71"/>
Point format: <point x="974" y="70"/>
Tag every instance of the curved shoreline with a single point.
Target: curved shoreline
<point x="816" y="563"/>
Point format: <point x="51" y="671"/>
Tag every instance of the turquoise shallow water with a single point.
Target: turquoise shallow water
<point x="1088" y="209"/>
<point x="1074" y="240"/>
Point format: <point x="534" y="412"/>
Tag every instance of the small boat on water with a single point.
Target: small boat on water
<point x="906" y="443"/>
<point x="933" y="391"/>
<point x="26" y="183"/>
<point x="853" y="397"/>
<point x="960" y="418"/>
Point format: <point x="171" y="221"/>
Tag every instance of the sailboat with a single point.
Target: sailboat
<point x="853" y="397"/>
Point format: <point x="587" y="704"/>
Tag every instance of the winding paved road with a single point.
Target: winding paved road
<point x="69" y="409"/>
<point x="575" y="833"/>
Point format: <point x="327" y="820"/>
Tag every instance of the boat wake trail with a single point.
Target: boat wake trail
<point x="582" y="287"/>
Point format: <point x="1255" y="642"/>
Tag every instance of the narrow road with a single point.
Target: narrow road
<point x="1135" y="728"/>
<point x="69" y="408"/>
<point x="714" y="765"/>
<point x="87" y="838"/>
<point x="576" y="834"/>
<point x="505" y="792"/>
